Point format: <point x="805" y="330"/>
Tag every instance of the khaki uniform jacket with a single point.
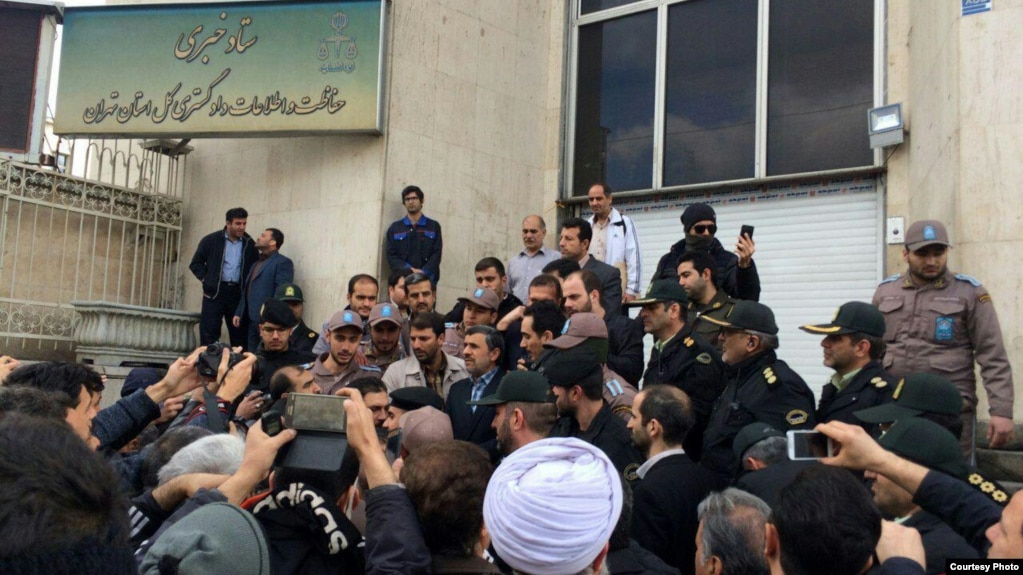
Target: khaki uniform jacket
<point x="408" y="373"/>
<point x="454" y="339"/>
<point x="330" y="382"/>
<point x="619" y="394"/>
<point x="942" y="328"/>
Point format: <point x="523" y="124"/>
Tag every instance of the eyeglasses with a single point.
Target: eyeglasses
<point x="701" y="229"/>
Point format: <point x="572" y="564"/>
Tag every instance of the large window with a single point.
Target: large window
<point x="685" y="92"/>
<point x="615" y="102"/>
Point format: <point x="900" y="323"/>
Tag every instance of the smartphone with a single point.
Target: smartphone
<point x="746" y="231"/>
<point x="314" y="412"/>
<point x="806" y="444"/>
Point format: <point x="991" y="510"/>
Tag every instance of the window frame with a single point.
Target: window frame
<point x="577" y="20"/>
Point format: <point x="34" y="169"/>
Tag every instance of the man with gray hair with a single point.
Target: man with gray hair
<point x="763" y="454"/>
<point x="764" y="388"/>
<point x="730" y="538"/>
<point x="529" y="263"/>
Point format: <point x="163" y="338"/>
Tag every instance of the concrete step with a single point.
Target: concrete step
<point x="1001" y="465"/>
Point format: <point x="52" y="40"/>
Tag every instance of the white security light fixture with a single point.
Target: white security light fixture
<point x="885" y="125"/>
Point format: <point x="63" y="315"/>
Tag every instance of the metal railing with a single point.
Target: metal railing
<point x="110" y="232"/>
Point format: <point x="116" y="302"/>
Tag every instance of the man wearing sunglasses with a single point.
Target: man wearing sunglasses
<point x="737" y="274"/>
<point x="763" y="389"/>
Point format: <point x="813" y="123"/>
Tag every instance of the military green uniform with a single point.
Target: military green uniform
<point x="718" y="308"/>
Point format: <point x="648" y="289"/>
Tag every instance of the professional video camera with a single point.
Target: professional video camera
<point x="320" y="421"/>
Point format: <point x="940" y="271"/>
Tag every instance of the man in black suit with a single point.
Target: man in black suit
<point x="576" y="234"/>
<point x="483" y="351"/>
<point x="671" y="485"/>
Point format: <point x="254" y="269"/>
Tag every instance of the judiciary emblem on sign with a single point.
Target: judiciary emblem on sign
<point x="330" y="51"/>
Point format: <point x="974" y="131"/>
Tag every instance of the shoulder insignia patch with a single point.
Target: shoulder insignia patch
<point x="630" y="472"/>
<point x="890" y="279"/>
<point x="704" y="358"/>
<point x="614" y="388"/>
<point x="312" y="335"/>
<point x="984" y="298"/>
<point x="450" y="325"/>
<point x="796" y="417"/>
<point x="371" y="368"/>
<point x="988" y="488"/>
<point x="689" y="342"/>
<point x="879" y="383"/>
<point x="716" y="305"/>
<point x="769" y="376"/>
<point x="968" y="279"/>
<point x="622" y="410"/>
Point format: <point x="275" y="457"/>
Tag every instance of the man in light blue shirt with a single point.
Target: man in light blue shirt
<point x="530" y="262"/>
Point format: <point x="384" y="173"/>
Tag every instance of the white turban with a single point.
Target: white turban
<point x="551" y="506"/>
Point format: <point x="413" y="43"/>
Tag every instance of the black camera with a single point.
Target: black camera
<point x="209" y="360"/>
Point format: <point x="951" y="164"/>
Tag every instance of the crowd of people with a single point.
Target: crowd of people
<point x="523" y="431"/>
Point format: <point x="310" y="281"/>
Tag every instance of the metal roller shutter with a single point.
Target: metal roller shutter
<point x="818" y="246"/>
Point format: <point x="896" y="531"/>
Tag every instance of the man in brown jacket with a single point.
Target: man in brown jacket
<point x="941" y="322"/>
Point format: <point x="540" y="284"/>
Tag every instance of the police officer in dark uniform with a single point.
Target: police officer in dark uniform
<point x="680" y="357"/>
<point x="578" y="382"/>
<point x="853" y="346"/>
<point x="275" y="352"/>
<point x="302" y="338"/>
<point x="762" y="389"/>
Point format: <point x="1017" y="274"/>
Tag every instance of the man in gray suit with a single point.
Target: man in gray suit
<point x="576" y="235"/>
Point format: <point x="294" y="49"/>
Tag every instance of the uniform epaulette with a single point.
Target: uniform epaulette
<point x="769" y="376"/>
<point x="890" y="279"/>
<point x="371" y="367"/>
<point x="879" y="382"/>
<point x="988" y="488"/>
<point x="689" y="342"/>
<point x="968" y="279"/>
<point x="614" y="388"/>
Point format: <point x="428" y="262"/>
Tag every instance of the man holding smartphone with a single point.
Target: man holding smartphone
<point x="737" y="274"/>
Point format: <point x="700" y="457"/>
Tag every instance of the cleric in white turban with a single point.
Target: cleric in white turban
<point x="551" y="506"/>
